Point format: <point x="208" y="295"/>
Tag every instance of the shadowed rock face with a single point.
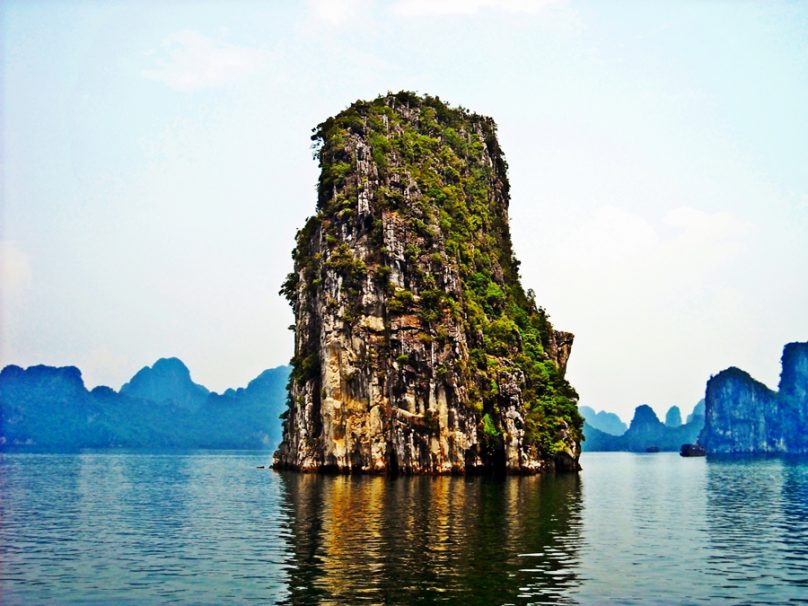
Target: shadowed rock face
<point x="745" y="416"/>
<point x="794" y="377"/>
<point x="416" y="348"/>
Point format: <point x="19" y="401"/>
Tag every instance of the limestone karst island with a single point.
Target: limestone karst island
<point x="417" y="350"/>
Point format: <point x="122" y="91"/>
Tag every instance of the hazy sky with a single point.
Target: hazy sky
<point x="156" y="163"/>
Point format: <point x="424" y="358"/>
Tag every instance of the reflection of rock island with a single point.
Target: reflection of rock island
<point x="416" y="347"/>
<point x="411" y="538"/>
<point x="745" y="416"/>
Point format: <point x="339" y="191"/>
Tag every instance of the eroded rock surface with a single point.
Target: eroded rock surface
<point x="416" y="348"/>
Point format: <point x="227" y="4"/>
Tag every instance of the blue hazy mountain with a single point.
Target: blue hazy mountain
<point x="596" y="440"/>
<point x="645" y="431"/>
<point x="47" y="408"/>
<point x="673" y="418"/>
<point x="698" y="411"/>
<point x="745" y="416"/>
<point x="168" y="380"/>
<point x="607" y="422"/>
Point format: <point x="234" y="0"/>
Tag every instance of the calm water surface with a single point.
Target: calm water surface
<point x="206" y="528"/>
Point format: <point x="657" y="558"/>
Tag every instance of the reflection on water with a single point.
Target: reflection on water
<point x="410" y="539"/>
<point x="210" y="528"/>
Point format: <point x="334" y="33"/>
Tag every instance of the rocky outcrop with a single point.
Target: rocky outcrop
<point x="741" y="415"/>
<point x="745" y="416"/>
<point x="416" y="348"/>
<point x="559" y="348"/>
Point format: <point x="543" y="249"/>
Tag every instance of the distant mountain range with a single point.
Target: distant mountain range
<point x="49" y="409"/>
<point x="604" y="431"/>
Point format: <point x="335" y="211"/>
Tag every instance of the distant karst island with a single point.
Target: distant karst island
<point x="417" y="350"/>
<point x="743" y="416"/>
<point x="43" y="408"/>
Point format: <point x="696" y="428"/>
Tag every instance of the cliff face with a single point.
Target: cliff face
<point x="741" y="415"/>
<point x="745" y="416"/>
<point x="794" y="376"/>
<point x="416" y="348"/>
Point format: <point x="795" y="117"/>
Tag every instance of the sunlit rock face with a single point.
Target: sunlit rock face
<point x="416" y="348"/>
<point x="745" y="416"/>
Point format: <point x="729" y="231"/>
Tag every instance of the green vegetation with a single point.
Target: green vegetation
<point x="491" y="436"/>
<point x="400" y="302"/>
<point x="441" y="171"/>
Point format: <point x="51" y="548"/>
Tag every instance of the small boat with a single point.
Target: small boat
<point x="692" y="450"/>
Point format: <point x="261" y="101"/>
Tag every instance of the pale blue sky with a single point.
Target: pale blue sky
<point x="156" y="165"/>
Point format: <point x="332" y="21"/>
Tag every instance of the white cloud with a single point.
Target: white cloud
<point x="192" y="61"/>
<point x="421" y="8"/>
<point x="15" y="283"/>
<point x="613" y="242"/>
<point x="608" y="237"/>
<point x="15" y="269"/>
<point x="650" y="300"/>
<point x="701" y="224"/>
<point x="104" y="366"/>
<point x="704" y="241"/>
<point x="338" y="12"/>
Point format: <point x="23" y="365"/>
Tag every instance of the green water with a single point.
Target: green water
<point x="210" y="528"/>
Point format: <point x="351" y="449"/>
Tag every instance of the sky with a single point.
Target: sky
<point x="156" y="163"/>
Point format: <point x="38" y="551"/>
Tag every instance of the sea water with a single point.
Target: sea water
<point x="212" y="528"/>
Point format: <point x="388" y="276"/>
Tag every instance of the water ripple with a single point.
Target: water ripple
<point x="209" y="529"/>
